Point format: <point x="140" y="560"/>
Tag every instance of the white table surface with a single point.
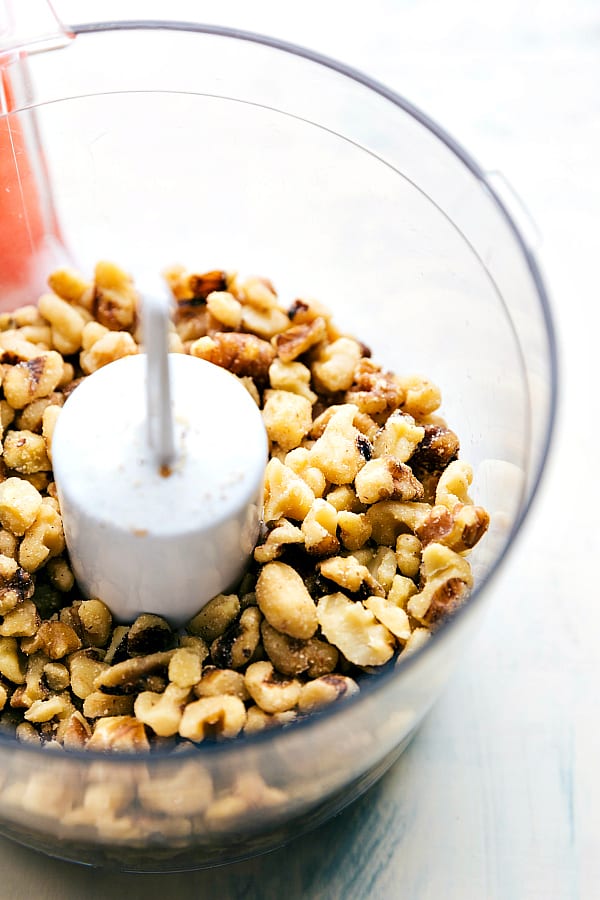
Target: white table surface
<point x="501" y="788"/>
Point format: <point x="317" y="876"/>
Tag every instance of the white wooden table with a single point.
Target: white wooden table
<point x="501" y="789"/>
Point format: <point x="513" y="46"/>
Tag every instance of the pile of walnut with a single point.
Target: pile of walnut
<point x="366" y="525"/>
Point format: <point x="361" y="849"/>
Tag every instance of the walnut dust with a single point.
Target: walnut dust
<point x="366" y="525"/>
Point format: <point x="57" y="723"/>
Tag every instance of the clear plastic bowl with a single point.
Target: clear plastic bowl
<point x="167" y="142"/>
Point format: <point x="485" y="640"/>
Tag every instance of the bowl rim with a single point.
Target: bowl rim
<point x="234" y="746"/>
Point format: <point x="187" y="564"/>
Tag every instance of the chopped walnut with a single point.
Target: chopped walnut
<point x="374" y="391"/>
<point x="115" y="298"/>
<point x="354" y="630"/>
<point x="363" y="495"/>
<point x="219" y="717"/>
<point x="446" y="578"/>
<point x="319" y="529"/>
<point x="459" y="528"/>
<point x="437" y="449"/>
<point x="271" y="691"/>
<point x="55" y="639"/>
<point x="216" y="617"/>
<point x="285" y="602"/>
<point x="350" y="575"/>
<point x="324" y="690"/>
<point x="297" y="339"/>
<point x="16" y="585"/>
<point x="398" y="438"/>
<point x="336" y="452"/>
<point x="119" y="733"/>
<point x="287" y="418"/>
<point x="236" y="647"/>
<point x="387" y="479"/>
<point x="292" y="656"/>
<point x="280" y="536"/>
<point x="334" y="365"/>
<point x="242" y="354"/>
<point x="286" y="495"/>
<point x="131" y="676"/>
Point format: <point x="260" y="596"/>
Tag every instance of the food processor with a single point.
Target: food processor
<point x="159" y="142"/>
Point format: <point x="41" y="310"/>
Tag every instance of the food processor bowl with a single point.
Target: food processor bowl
<point x="153" y="143"/>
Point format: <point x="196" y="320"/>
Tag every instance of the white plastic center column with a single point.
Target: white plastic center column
<point x="160" y="490"/>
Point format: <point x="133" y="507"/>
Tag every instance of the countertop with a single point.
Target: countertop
<point x="500" y="789"/>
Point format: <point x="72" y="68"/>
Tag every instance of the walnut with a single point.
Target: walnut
<point x="325" y="690"/>
<point x="292" y="656"/>
<point x="438" y="447"/>
<point x="186" y="792"/>
<point x="131" y="676"/>
<point x="389" y="614"/>
<point x="148" y="634"/>
<point x="84" y="669"/>
<point x="115" y="298"/>
<point x="459" y="528"/>
<point x="286" y="494"/>
<point x="98" y="704"/>
<point x="16" y="585"/>
<point x="236" y="647"/>
<point x="389" y="518"/>
<point x="354" y="529"/>
<point x="319" y="529"/>
<point x="386" y="478"/>
<point x="399" y="437"/>
<point x="274" y="693"/>
<point x="216" y="617"/>
<point x="162" y="712"/>
<point x="22" y="621"/>
<point x="285" y="602"/>
<point x="299" y="460"/>
<point x="349" y="574"/>
<point x="189" y="286"/>
<point x="355" y="631"/>
<point x="421" y="397"/>
<point x="185" y="668"/>
<point x="69" y="284"/>
<point x="216" y="682"/>
<point x="287" y="417"/>
<point x="35" y="377"/>
<point x="297" y="339"/>
<point x="337" y="452"/>
<point x="95" y="619"/>
<point x="12" y="664"/>
<point x="55" y="639"/>
<point x="374" y="391"/>
<point x="292" y="376"/>
<point x="446" y="579"/>
<point x="242" y="354"/>
<point x="119" y="733"/>
<point x="280" y="536"/>
<point x="220" y="717"/>
<point x="454" y="484"/>
<point x="334" y="365"/>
